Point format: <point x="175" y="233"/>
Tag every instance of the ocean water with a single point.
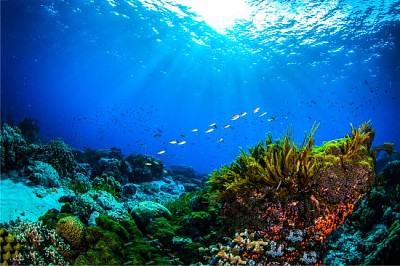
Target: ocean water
<point x="138" y="74"/>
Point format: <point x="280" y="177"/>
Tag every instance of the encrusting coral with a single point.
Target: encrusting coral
<point x="280" y="188"/>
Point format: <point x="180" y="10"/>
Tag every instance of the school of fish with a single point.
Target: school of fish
<point x="212" y="126"/>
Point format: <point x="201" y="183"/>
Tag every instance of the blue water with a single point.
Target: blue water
<point x="138" y="74"/>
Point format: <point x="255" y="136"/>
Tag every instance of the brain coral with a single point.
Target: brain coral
<point x="72" y="229"/>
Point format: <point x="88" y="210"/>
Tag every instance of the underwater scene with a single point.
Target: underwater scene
<point x="200" y="132"/>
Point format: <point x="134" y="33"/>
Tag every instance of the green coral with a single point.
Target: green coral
<point x="161" y="229"/>
<point x="279" y="163"/>
<point x="117" y="242"/>
<point x="72" y="229"/>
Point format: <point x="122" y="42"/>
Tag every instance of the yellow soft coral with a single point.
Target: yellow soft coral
<point x="72" y="229"/>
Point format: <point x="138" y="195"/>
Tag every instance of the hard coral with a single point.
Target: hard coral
<point x="72" y="229"/>
<point x="59" y="155"/>
<point x="13" y="147"/>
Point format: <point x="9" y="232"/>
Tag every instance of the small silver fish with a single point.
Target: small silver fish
<point x="161" y="152"/>
<point x="235" y="117"/>
<point x="210" y="130"/>
<point x="256" y="110"/>
<point x="173" y="141"/>
<point x="261" y="115"/>
<point x="182" y="142"/>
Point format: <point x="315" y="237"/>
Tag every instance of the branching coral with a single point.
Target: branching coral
<point x="38" y="245"/>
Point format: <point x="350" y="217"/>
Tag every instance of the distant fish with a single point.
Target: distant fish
<point x="261" y="115"/>
<point x="213" y="125"/>
<point x="182" y="142"/>
<point x="226" y="126"/>
<point x="210" y="130"/>
<point x="256" y="110"/>
<point x="235" y="117"/>
<point x="220" y="139"/>
<point x="272" y="118"/>
<point x="173" y="141"/>
<point x="195" y="130"/>
<point x="243" y="114"/>
<point x="161" y="152"/>
<point x="183" y="136"/>
<point x="148" y="164"/>
<point x="157" y="135"/>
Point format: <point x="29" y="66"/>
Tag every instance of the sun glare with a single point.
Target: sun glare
<point x="221" y="14"/>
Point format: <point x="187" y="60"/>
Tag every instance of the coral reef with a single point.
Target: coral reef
<point x="71" y="229"/>
<point x="59" y="155"/>
<point x="280" y="188"/>
<point x="14" y="148"/>
<point x="30" y="130"/>
<point x="38" y="245"/>
<point x="41" y="173"/>
<point x="371" y="235"/>
<point x="9" y="247"/>
<point x="143" y="168"/>
<point x="146" y="211"/>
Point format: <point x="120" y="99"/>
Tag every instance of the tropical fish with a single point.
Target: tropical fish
<point x="182" y="142"/>
<point x="235" y="117"/>
<point x="173" y="141"/>
<point x="243" y="114"/>
<point x="161" y="152"/>
<point x="261" y="115"/>
<point x="210" y="130"/>
<point x="226" y="126"/>
<point x="256" y="110"/>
